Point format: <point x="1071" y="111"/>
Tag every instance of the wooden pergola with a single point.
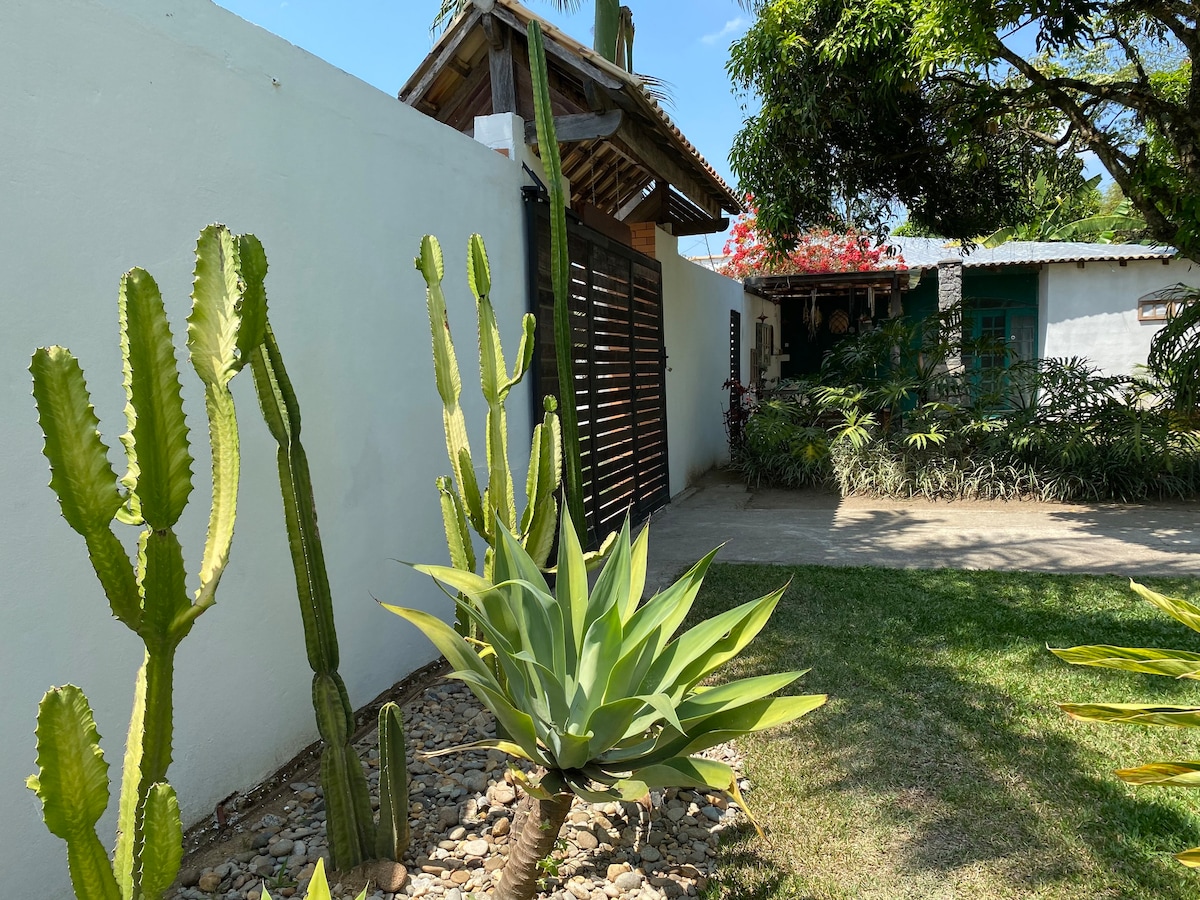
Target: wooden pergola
<point x="625" y="159"/>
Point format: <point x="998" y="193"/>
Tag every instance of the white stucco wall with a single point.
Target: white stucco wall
<point x="1093" y="311"/>
<point x="754" y="308"/>
<point x="696" y="306"/>
<point x="125" y="127"/>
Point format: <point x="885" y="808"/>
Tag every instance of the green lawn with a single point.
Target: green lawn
<point x="941" y="767"/>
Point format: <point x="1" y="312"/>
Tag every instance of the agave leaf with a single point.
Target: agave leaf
<point x="612" y="587"/>
<point x="1178" y="609"/>
<point x="508" y="747"/>
<point x="1172" y="774"/>
<point x="1190" y="858"/>
<point x="637" y="573"/>
<point x="629" y="791"/>
<point x="698" y="773"/>
<point x="731" y="695"/>
<point x="571" y="589"/>
<point x="1173" y="663"/>
<point x="1134" y="714"/>
<point x="685" y="661"/>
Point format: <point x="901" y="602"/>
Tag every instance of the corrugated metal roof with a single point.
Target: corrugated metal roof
<point x="925" y="253"/>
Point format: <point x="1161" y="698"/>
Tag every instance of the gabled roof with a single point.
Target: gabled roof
<point x="621" y="151"/>
<point x="926" y="253"/>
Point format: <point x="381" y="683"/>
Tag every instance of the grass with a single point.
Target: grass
<point x="941" y="767"/>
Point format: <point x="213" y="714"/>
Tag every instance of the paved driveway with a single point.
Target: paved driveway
<point x="817" y="527"/>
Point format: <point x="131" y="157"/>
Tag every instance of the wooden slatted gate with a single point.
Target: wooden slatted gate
<point x="620" y="367"/>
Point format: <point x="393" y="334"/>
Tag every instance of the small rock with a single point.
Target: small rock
<point x="503" y="794"/>
<point x="461" y="876"/>
<point x="629" y="881"/>
<point x="458" y="834"/>
<point x="616" y="870"/>
<point x="209" y="882"/>
<point x="281" y="849"/>
<point x="585" y="840"/>
<point x="476" y="848"/>
<point x="502" y="827"/>
<point x="390" y="877"/>
<point x="189" y="877"/>
<point x="711" y="813"/>
<point x="650" y="855"/>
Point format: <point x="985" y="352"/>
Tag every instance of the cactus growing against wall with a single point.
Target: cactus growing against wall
<point x="560" y="274"/>
<point x="465" y="507"/>
<point x="350" y="823"/>
<point x="149" y="597"/>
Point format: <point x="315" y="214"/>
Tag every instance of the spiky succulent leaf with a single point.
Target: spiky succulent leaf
<point x="552" y="650"/>
<point x="1190" y="858"/>
<point x="160" y="464"/>
<point x="72" y="783"/>
<point x="162" y="850"/>
<point x="81" y="475"/>
<point x="318" y="885"/>
<point x="1172" y="663"/>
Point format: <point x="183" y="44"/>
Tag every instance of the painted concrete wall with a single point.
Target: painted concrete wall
<point x="125" y="127"/>
<point x="1092" y="311"/>
<point x="696" y="304"/>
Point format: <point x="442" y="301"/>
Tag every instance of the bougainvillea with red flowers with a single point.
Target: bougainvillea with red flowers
<point x="818" y="251"/>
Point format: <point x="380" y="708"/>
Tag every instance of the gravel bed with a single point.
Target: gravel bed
<point x="462" y="807"/>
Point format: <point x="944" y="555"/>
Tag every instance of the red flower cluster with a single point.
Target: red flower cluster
<point x="817" y="251"/>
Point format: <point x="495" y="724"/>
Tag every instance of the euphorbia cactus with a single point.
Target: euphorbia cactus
<point x="149" y="597"/>
<point x="595" y="692"/>
<point x="351" y="825"/>
<point x="464" y="505"/>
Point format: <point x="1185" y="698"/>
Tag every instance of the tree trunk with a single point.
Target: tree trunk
<point x="535" y="831"/>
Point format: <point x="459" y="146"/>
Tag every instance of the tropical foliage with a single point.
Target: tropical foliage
<point x="318" y="887"/>
<point x="1183" y="664"/>
<point x="917" y="410"/>
<point x="1069" y="216"/>
<point x="596" y="690"/>
<point x="930" y="104"/>
<point x="818" y="250"/>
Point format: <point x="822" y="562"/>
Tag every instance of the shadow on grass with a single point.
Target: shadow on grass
<point x="942" y="716"/>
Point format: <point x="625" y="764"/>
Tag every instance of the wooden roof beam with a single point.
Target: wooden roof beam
<point x="664" y="167"/>
<point x="578" y="128"/>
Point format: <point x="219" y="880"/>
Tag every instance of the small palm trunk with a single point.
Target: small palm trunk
<point x="538" y="823"/>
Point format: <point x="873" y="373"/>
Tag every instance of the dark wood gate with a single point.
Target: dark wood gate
<point x="620" y="367"/>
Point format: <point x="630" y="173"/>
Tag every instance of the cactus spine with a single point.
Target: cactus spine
<point x="392" y="838"/>
<point x="150" y="598"/>
<point x="560" y="272"/>
<point x="350" y="824"/>
<point x="464" y="507"/>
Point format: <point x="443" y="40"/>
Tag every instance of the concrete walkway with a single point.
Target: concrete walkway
<point x="818" y="527"/>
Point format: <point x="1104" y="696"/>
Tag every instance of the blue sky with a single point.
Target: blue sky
<point x="683" y="42"/>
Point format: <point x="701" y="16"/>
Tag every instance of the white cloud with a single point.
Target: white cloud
<point x="732" y="27"/>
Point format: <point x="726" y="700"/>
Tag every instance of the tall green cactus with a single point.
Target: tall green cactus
<point x="464" y="506"/>
<point x="560" y="274"/>
<point x="351" y="827"/>
<point x="393" y="837"/>
<point x="150" y="598"/>
<point x="350" y="824"/>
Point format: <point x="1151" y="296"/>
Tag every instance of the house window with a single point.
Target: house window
<point x="1161" y="305"/>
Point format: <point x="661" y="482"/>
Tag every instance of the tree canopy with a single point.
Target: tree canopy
<point x="930" y="104"/>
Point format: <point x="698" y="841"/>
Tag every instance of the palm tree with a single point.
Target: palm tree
<point x="613" y="29"/>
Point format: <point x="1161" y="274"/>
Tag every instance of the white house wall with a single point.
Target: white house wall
<point x="1093" y="311"/>
<point x="696" y="307"/>
<point x="125" y="127"/>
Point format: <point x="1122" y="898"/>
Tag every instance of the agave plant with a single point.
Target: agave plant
<point x="1173" y="664"/>
<point x="318" y="887"/>
<point x="595" y="693"/>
